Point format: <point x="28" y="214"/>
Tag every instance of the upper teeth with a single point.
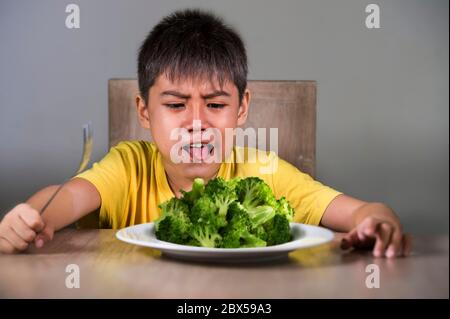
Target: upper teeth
<point x="198" y="145"/>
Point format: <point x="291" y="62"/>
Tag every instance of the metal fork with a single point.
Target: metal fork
<point x="87" y="151"/>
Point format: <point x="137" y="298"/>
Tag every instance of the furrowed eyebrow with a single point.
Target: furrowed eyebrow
<point x="187" y="96"/>
<point x="216" y="94"/>
<point x="175" y="93"/>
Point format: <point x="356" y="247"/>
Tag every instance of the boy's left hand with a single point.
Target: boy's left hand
<point x="385" y="236"/>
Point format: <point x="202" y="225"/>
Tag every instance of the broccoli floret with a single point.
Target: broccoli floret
<point x="257" y="198"/>
<point x="198" y="187"/>
<point x="216" y="185"/>
<point x="253" y="192"/>
<point x="206" y="222"/>
<point x="232" y="183"/>
<point x="206" y="235"/>
<point x="241" y="239"/>
<point x="260" y="232"/>
<point x="283" y="208"/>
<point x="278" y="230"/>
<point x="222" y="195"/>
<point x="238" y="214"/>
<point x="174" y="229"/>
<point x="237" y="232"/>
<point x="204" y="211"/>
<point x="260" y="215"/>
<point x="174" y="224"/>
<point x="173" y="206"/>
<point x="222" y="202"/>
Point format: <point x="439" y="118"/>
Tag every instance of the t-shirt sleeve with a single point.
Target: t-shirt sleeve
<point x="308" y="197"/>
<point x="110" y="178"/>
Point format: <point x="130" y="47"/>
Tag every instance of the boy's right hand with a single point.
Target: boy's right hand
<point x="22" y="226"/>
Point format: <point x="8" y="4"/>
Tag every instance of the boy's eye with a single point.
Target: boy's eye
<point x="174" y="106"/>
<point x="216" y="106"/>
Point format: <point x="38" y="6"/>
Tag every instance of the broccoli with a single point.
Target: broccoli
<point x="215" y="186"/>
<point x="260" y="232"/>
<point x="257" y="198"/>
<point x="198" y="187"/>
<point x="241" y="238"/>
<point x="253" y="191"/>
<point x="241" y="212"/>
<point x="260" y="215"/>
<point x="222" y="194"/>
<point x="174" y="229"/>
<point x="173" y="206"/>
<point x="278" y="230"/>
<point x="232" y="183"/>
<point x="285" y="209"/>
<point x="203" y="211"/>
<point x="237" y="232"/>
<point x="206" y="222"/>
<point x="206" y="235"/>
<point x="174" y="224"/>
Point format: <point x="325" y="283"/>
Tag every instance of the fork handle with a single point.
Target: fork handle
<point x="51" y="198"/>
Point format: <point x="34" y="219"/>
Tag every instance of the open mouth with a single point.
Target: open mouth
<point x="199" y="152"/>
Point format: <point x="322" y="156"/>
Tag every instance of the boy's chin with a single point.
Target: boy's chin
<point x="202" y="170"/>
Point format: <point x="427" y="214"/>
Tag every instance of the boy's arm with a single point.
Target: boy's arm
<point x="77" y="198"/>
<point x="367" y="225"/>
<point x="24" y="225"/>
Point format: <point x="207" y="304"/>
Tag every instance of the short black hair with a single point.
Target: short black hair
<point x="192" y="43"/>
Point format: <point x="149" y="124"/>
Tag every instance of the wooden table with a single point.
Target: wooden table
<point x="109" y="268"/>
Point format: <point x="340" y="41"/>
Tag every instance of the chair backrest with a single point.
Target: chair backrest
<point x="289" y="106"/>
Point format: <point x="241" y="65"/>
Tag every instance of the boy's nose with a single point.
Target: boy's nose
<point x="196" y="126"/>
<point x="197" y="119"/>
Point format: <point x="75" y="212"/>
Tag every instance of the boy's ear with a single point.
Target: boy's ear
<point x="142" y="111"/>
<point x="243" y="108"/>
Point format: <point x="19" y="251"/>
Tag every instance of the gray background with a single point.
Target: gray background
<point x="383" y="109"/>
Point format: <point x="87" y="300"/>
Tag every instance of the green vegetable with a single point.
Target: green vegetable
<point x="206" y="222"/>
<point x="238" y="213"/>
<point x="285" y="209"/>
<point x="237" y="233"/>
<point x="174" y="225"/>
<point x="253" y="192"/>
<point x="278" y="230"/>
<point x="222" y="195"/>
<point x="198" y="187"/>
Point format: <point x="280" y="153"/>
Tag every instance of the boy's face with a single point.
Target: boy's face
<point x="196" y="107"/>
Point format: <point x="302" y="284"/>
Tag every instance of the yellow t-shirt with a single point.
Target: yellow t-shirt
<point x="132" y="183"/>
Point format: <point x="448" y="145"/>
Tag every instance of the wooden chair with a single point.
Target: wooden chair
<point x="289" y="106"/>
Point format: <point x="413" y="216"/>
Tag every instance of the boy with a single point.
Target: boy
<point x="192" y="70"/>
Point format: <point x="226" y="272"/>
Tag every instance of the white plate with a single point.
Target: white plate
<point x="304" y="236"/>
